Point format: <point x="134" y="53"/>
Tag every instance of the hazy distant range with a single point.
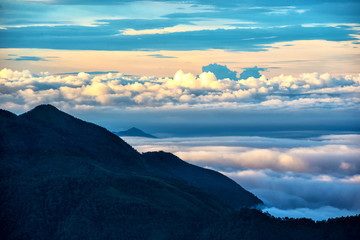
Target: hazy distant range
<point x="229" y="122"/>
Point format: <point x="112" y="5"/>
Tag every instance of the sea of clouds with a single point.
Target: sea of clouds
<point x="316" y="177"/>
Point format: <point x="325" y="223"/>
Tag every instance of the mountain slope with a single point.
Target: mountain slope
<point x="170" y="166"/>
<point x="63" y="178"/>
<point x="134" y="132"/>
<point x="47" y="131"/>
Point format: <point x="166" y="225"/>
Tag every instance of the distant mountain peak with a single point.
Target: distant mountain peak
<point x="134" y="132"/>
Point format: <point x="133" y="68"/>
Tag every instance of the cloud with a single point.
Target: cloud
<point x="317" y="156"/>
<point x="86" y="13"/>
<point x="27" y="58"/>
<point x="220" y="71"/>
<point x="251" y="72"/>
<point x="173" y="25"/>
<point x="290" y="191"/>
<point x="97" y="89"/>
<point x="108" y="38"/>
<point x="174" y="29"/>
<point x="322" y="213"/>
<point x="307" y="91"/>
<point x="160" y="56"/>
<point x="294" y="177"/>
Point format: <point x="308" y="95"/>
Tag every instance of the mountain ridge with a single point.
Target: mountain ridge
<point x="170" y="166"/>
<point x="58" y="133"/>
<point x="63" y="178"/>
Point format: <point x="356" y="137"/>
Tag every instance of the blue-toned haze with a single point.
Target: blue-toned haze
<point x="267" y="92"/>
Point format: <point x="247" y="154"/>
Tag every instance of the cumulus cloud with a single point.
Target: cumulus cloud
<point x="251" y="72"/>
<point x="220" y="71"/>
<point x="310" y="91"/>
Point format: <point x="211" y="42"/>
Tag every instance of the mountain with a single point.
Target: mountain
<point x="47" y="132"/>
<point x="169" y="166"/>
<point x="64" y="178"/>
<point x="254" y="224"/>
<point x="134" y="132"/>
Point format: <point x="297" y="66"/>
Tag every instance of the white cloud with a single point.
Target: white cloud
<point x="196" y="25"/>
<point x="294" y="177"/>
<point x="183" y="90"/>
<point x="311" y="156"/>
<point x="175" y="29"/>
<point x="326" y="159"/>
<point x="353" y="179"/>
<point x="97" y="89"/>
<point x="348" y="139"/>
<point x="290" y="191"/>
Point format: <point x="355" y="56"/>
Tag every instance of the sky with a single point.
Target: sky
<point x="286" y="72"/>
<point x="158" y="38"/>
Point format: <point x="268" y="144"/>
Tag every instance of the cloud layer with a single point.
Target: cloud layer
<point x="333" y="157"/>
<point x="314" y="177"/>
<point x="184" y="90"/>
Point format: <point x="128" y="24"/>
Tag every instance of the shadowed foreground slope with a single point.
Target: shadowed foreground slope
<point x="63" y="178"/>
<point x="170" y="166"/>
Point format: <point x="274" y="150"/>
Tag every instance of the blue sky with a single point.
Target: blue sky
<point x="189" y="25"/>
<point x="244" y="34"/>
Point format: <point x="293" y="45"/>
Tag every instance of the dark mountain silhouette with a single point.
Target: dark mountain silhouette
<point x="253" y="224"/>
<point x="64" y="178"/>
<point x="169" y="166"/>
<point x="47" y="132"/>
<point x="134" y="132"/>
